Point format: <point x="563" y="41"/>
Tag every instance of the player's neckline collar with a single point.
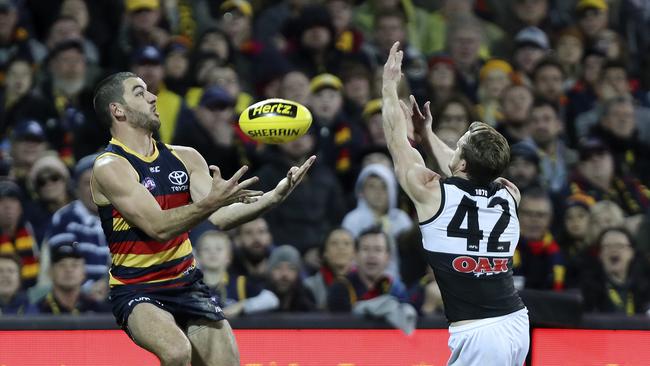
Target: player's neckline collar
<point x="470" y="186"/>
<point x="147" y="159"/>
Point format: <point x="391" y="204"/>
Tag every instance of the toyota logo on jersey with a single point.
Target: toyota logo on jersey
<point x="178" y="177"/>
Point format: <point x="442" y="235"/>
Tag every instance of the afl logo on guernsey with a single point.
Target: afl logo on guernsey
<point x="149" y="183"/>
<point x="178" y="177"/>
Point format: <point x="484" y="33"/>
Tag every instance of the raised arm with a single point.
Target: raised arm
<point x="432" y="144"/>
<point x="419" y="182"/>
<point x="235" y="214"/>
<point x="116" y="181"/>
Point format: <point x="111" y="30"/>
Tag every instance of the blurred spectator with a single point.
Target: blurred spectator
<point x="141" y="27"/>
<point x="464" y="37"/>
<point x="591" y="17"/>
<point x="425" y="296"/>
<point x="516" y="101"/>
<point x="455" y="112"/>
<point x="546" y="138"/>
<point x="604" y="214"/>
<point x="314" y="207"/>
<point x="369" y="280"/>
<point x="493" y="44"/>
<point x="13" y="301"/>
<point x="548" y="81"/>
<point x="16" y="234"/>
<point x="274" y="20"/>
<point x="569" y="48"/>
<point x="253" y="243"/>
<point x="147" y="63"/>
<point x="79" y="222"/>
<point x="284" y="280"/>
<point x="67" y="273"/>
<point x="531" y="46"/>
<point x="374" y="123"/>
<point x="49" y="184"/>
<point x="376" y="191"/>
<point x="612" y="45"/>
<point x="19" y="102"/>
<point x="337" y="258"/>
<point x="177" y="66"/>
<point x="339" y="139"/>
<point x="15" y="40"/>
<point x="295" y="86"/>
<point x="357" y="87"/>
<point x="68" y="89"/>
<point x="575" y="238"/>
<point x="538" y="257"/>
<point x="619" y="283"/>
<point x="416" y="19"/>
<point x="524" y="169"/>
<point x="67" y="28"/>
<point x="237" y="295"/>
<point x="495" y="76"/>
<point x="595" y="176"/>
<point x="441" y="79"/>
<point x="528" y="13"/>
<point x="28" y="143"/>
<point x="348" y="38"/>
<point x="618" y="127"/>
<point x="214" y="133"/>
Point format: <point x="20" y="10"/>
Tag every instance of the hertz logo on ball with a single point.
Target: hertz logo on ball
<point x="275" y="121"/>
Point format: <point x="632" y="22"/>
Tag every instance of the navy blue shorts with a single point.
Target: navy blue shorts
<point x="187" y="299"/>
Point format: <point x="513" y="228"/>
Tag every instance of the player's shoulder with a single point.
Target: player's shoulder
<point x="186" y="153"/>
<point x="109" y="166"/>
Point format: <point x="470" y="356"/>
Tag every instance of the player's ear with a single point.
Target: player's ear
<point x="117" y="110"/>
<point x="462" y="165"/>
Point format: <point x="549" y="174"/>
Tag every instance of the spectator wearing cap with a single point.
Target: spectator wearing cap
<point x="538" y="258"/>
<point x="214" y="134"/>
<point x="141" y="27"/>
<point x="13" y="300"/>
<point x="531" y="46"/>
<point x="494" y="77"/>
<point x="312" y="42"/>
<point x="15" y="40"/>
<point x="372" y="254"/>
<point x="337" y="260"/>
<point x="68" y="273"/>
<point x="79" y="222"/>
<point x="619" y="128"/>
<point x="556" y="159"/>
<point x="339" y="140"/>
<point x="516" y="101"/>
<point x="147" y="63"/>
<point x="373" y="124"/>
<point x="239" y="295"/>
<point x="28" y="143"/>
<point x="284" y="280"/>
<point x="618" y="284"/>
<point x="494" y="43"/>
<point x="464" y="37"/>
<point x="524" y="169"/>
<point x="68" y="89"/>
<point x="67" y="28"/>
<point x="441" y="78"/>
<point x="592" y="17"/>
<point x="575" y="239"/>
<point x="19" y="102"/>
<point x="595" y="176"/>
<point x="16" y="234"/>
<point x="50" y="190"/>
<point x="315" y="206"/>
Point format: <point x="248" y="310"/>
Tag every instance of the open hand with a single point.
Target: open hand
<point x="393" y="66"/>
<point x="422" y="123"/>
<point x="226" y="192"/>
<point x="293" y="178"/>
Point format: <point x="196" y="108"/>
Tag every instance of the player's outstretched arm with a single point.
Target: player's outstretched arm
<point x="116" y="180"/>
<point x="238" y="213"/>
<point x="419" y="182"/>
<point x="432" y="144"/>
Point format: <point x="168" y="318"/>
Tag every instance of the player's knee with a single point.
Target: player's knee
<point x="180" y="354"/>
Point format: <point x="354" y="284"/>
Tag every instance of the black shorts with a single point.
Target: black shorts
<point x="187" y="299"/>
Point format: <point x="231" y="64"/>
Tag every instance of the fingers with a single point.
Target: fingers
<point x="393" y="50"/>
<point x="427" y="110"/>
<point x="216" y="173"/>
<point x="235" y="178"/>
<point x="408" y="112"/>
<point x="247" y="183"/>
<point x="416" y="108"/>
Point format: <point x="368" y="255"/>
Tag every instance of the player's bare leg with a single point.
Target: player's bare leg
<point x="156" y="331"/>
<point x="213" y="343"/>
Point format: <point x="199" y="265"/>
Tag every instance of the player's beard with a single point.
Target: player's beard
<point x="141" y="120"/>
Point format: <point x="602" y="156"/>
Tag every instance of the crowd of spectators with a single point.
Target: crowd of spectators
<point x="566" y="82"/>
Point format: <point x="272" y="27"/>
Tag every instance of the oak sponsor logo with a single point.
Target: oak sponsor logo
<point x="480" y="266"/>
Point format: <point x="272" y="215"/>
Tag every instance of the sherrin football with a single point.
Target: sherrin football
<point x="275" y="121"/>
